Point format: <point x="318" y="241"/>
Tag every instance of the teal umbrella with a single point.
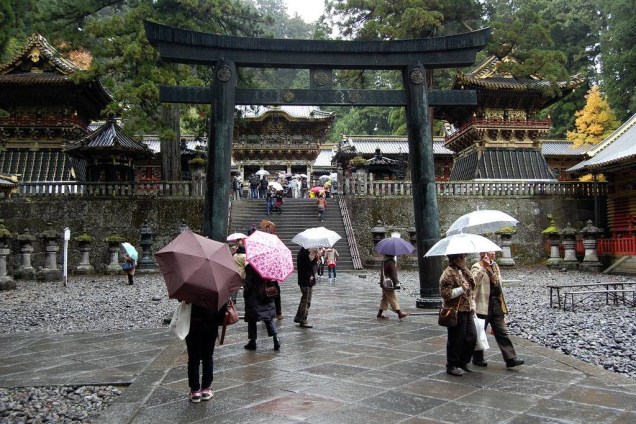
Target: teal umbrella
<point x="130" y="251"/>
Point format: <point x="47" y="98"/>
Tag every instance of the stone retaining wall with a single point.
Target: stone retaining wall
<point x="102" y="217"/>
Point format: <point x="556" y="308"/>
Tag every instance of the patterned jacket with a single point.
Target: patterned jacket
<point x="482" y="278"/>
<point x="452" y="278"/>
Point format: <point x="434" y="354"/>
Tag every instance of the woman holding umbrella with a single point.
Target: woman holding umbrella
<point x="130" y="262"/>
<point x="391" y="247"/>
<point x="456" y="287"/>
<point x="259" y="297"/>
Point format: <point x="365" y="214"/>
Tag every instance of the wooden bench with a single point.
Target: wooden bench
<point x="616" y="296"/>
<point x="610" y="285"/>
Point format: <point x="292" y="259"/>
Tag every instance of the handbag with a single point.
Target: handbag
<point x="385" y="282"/>
<point x="127" y="266"/>
<point x="448" y="316"/>
<point x="180" y="323"/>
<point x="270" y="290"/>
<point x="229" y="317"/>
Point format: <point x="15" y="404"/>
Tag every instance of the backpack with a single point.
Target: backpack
<point x="303" y="184"/>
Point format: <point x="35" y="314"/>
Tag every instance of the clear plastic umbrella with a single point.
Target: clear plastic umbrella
<point x="316" y="237"/>
<point x="261" y="172"/>
<point x="462" y="243"/>
<point x="481" y="222"/>
<point x="130" y="251"/>
<point x="276" y="185"/>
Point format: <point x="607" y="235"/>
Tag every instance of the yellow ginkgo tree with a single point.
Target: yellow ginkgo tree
<point x="595" y="121"/>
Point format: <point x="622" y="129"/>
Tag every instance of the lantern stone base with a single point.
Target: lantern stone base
<point x="84" y="270"/>
<point x="432" y="302"/>
<point x="374" y="261"/>
<point x="569" y="264"/>
<point x="554" y="262"/>
<point x="48" y="274"/>
<point x="146" y="270"/>
<point x="24" y="274"/>
<point x="590" y="266"/>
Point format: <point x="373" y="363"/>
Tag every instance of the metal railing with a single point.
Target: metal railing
<point x="351" y="237"/>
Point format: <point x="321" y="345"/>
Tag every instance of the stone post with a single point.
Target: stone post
<point x="114" y="242"/>
<point x="505" y="241"/>
<point x="146" y="263"/>
<point x="25" y="271"/>
<point x="378" y="233"/>
<point x="50" y="271"/>
<point x="6" y="282"/>
<point x="84" y="245"/>
<point x="552" y="232"/>
<point x="590" y="235"/>
<point x="569" y="246"/>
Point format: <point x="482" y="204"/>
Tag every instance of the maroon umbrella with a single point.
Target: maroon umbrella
<point x="198" y="270"/>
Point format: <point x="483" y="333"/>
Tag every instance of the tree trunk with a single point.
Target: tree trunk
<point x="170" y="148"/>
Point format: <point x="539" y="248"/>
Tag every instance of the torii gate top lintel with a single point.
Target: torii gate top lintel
<point x="188" y="46"/>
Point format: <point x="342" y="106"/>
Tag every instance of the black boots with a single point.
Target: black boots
<point x="251" y="345"/>
<point x="276" y="343"/>
<point x="514" y="362"/>
<point x="478" y="358"/>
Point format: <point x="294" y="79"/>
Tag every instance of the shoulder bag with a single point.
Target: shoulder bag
<point x="448" y="316"/>
<point x="385" y="282"/>
<point x="230" y="317"/>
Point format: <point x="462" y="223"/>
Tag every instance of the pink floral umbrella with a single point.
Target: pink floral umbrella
<point x="269" y="256"/>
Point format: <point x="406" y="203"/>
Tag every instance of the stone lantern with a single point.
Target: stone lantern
<point x="552" y="232"/>
<point x="6" y="282"/>
<point x="146" y="263"/>
<point x="50" y="271"/>
<point x="378" y="233"/>
<point x="590" y="235"/>
<point x="25" y="271"/>
<point x="569" y="247"/>
<point x="114" y="241"/>
<point x="84" y="245"/>
<point x="411" y="260"/>
<point x="505" y="236"/>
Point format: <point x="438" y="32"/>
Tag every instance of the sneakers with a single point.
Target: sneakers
<point x="206" y="394"/>
<point x="195" y="397"/>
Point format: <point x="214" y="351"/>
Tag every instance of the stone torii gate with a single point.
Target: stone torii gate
<point x="412" y="57"/>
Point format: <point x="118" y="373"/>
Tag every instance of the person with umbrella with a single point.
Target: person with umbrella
<point x="389" y="299"/>
<point x="259" y="294"/>
<point x="331" y="257"/>
<point x="306" y="282"/>
<point x="456" y="288"/>
<point x="130" y="262"/>
<point x="490" y="305"/>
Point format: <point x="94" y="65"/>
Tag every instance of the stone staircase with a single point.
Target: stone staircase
<point x="297" y="216"/>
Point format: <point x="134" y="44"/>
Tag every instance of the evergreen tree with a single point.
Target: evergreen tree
<point x="595" y="121"/>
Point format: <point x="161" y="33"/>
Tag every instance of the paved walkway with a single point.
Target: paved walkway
<point x="350" y="368"/>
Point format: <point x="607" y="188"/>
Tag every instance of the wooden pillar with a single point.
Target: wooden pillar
<point x="422" y="165"/>
<point x="217" y="192"/>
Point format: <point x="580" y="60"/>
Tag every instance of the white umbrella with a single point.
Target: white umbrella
<point x="276" y="185"/>
<point x="481" y="222"/>
<point x="316" y="237"/>
<point x="303" y="176"/>
<point x="236" y="236"/>
<point x="261" y="172"/>
<point x="333" y="176"/>
<point x="324" y="179"/>
<point x="462" y="243"/>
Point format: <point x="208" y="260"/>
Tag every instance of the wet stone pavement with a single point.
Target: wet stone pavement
<point x="350" y="368"/>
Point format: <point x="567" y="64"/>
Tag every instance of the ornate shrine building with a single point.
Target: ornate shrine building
<point x="44" y="109"/>
<point x="500" y="138"/>
<point x="282" y="139"/>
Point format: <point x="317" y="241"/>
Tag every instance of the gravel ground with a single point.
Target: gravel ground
<point x="595" y="333"/>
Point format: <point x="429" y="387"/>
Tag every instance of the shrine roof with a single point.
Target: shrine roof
<point x="107" y="138"/>
<point x="562" y="148"/>
<point x="324" y="158"/>
<point x="310" y="113"/>
<point x="37" y="165"/>
<point x="389" y="145"/>
<point x="615" y="151"/>
<point x="38" y="48"/>
<point x="502" y="164"/>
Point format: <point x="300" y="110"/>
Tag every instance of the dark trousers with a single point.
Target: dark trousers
<point x="461" y="340"/>
<point x="303" y="306"/>
<point x="252" y="332"/>
<point x="496" y="319"/>
<point x="200" y="343"/>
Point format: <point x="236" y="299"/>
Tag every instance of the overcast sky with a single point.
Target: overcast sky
<point x="309" y="10"/>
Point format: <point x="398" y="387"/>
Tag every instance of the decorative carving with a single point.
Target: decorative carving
<point x="517" y="115"/>
<point x="354" y="96"/>
<point x="417" y="76"/>
<point x="288" y="97"/>
<point x="494" y="114"/>
<point x="321" y="78"/>
<point x="224" y="73"/>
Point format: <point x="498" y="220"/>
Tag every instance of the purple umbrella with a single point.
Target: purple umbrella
<point x="394" y="246"/>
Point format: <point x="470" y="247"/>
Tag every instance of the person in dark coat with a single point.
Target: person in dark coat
<point x="306" y="281"/>
<point x="389" y="299"/>
<point x="200" y="343"/>
<point x="258" y="307"/>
